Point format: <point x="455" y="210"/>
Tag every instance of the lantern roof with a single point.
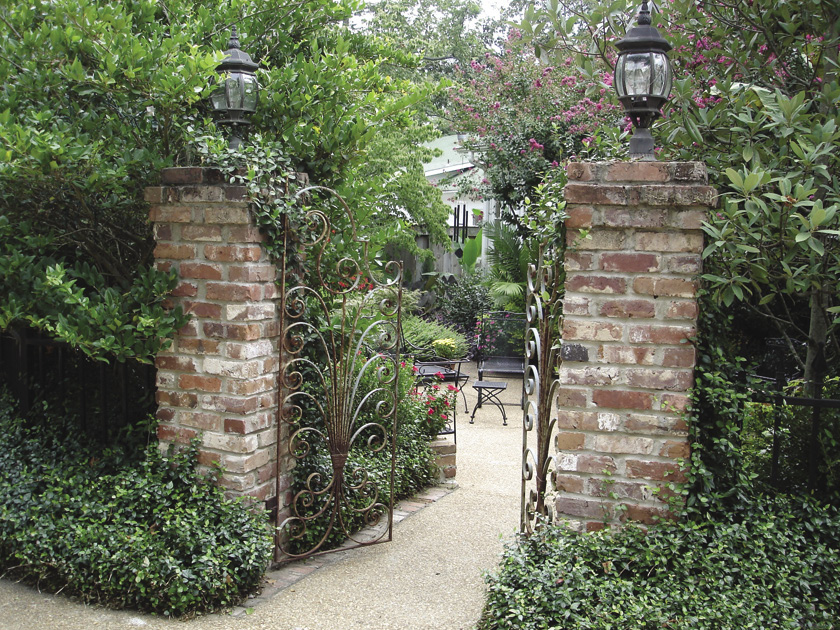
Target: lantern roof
<point x="235" y="58"/>
<point x="643" y="36"/>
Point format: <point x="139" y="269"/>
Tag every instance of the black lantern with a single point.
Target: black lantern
<point x="236" y="96"/>
<point x="642" y="79"/>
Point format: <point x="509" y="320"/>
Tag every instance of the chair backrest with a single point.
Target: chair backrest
<point x="501" y="334"/>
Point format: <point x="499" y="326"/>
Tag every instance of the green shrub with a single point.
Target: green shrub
<point x="421" y="334"/>
<point x="774" y="564"/>
<point x="464" y="301"/>
<point x="154" y="535"/>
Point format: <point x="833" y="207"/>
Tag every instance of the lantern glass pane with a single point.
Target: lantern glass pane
<point x="661" y="75"/>
<point x="234" y="91"/>
<point x="251" y="91"/>
<point x="637" y="69"/>
<point x="218" y="100"/>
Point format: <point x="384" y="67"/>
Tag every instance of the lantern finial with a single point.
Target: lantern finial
<point x="233" y="42"/>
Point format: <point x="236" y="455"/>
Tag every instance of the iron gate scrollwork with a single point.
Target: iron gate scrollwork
<point x="543" y="309"/>
<point x="339" y="337"/>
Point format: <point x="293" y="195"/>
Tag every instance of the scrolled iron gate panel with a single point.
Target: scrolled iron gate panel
<point x="337" y="337"/>
<point x="543" y="309"/>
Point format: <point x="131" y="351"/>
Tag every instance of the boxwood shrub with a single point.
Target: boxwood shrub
<point x="150" y="534"/>
<point x="775" y="565"/>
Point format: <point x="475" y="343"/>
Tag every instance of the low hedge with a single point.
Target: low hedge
<point x="775" y="565"/>
<point x="152" y="534"/>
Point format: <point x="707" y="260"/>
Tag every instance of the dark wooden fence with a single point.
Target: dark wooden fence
<point x="801" y="437"/>
<point x="104" y="397"/>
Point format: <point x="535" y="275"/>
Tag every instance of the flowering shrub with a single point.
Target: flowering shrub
<point x="446" y="348"/>
<point x="527" y="118"/>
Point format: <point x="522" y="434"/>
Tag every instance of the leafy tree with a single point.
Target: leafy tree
<point x="97" y="96"/>
<point x="755" y="99"/>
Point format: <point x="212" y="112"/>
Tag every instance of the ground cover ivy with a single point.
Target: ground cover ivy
<point x="777" y="566"/>
<point x="146" y="532"/>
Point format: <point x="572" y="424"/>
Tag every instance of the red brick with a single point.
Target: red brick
<point x="679" y="357"/>
<point x="198" y="346"/>
<point x="242" y="332"/>
<point x="661" y="425"/>
<point x="179" y="435"/>
<point x="637" y="172"/>
<point x="672" y="380"/>
<point x="595" y="284"/>
<point x="182" y="175"/>
<point x="689" y="264"/>
<point x="629" y="262"/>
<point x="601" y="195"/>
<point x="203" y="309"/>
<point x="669" y="242"/>
<point x="247" y="425"/>
<point x="569" y="397"/>
<point x="682" y="309"/>
<point x="185" y="289"/>
<point x="581" y="507"/>
<point x="620" y="444"/>
<point x="669" y="287"/>
<point x="200" y="271"/>
<point x="570" y="441"/>
<point x="687" y="219"/>
<point x="568" y="483"/>
<point x="578" y="171"/>
<point x="245" y="234"/>
<point x="675" y="449"/>
<point x="200" y="382"/>
<point x="190" y="329"/>
<point x="628" y="308"/>
<point x="590" y="375"/>
<point x="597" y="240"/>
<point x="208" y="458"/>
<point x="633" y="216"/>
<point x="176" y="399"/>
<point x="232" y="253"/>
<point x="665" y="335"/>
<point x="163" y="232"/>
<point x="201" y="233"/>
<point x="235" y="214"/>
<point x="595" y="464"/>
<point x="657" y="471"/>
<point x="676" y="403"/>
<point x="236" y="193"/>
<point x="170" y="214"/>
<point x="583" y="420"/>
<point x="252" y="273"/>
<point x="170" y="362"/>
<point x="676" y="196"/>
<point x="618" y="399"/>
<point x="250" y="386"/>
<point x="588" y="330"/>
<point x="645" y="514"/>
<point x="613" y="489"/>
<point x="233" y="292"/>
<point x="174" y="252"/>
<point x="576" y="305"/>
<point x="628" y="355"/>
<point x="228" y="404"/>
<point x="153" y="194"/>
<point x="165" y="414"/>
<point x="579" y="217"/>
<point x="201" y="421"/>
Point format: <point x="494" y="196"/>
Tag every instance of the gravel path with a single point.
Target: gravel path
<point x="429" y="577"/>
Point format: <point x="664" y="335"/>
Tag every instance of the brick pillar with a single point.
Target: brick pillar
<point x="630" y="312"/>
<point x="219" y="378"/>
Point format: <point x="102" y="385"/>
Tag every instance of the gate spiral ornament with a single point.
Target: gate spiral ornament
<point x="543" y="309"/>
<point x="339" y="337"/>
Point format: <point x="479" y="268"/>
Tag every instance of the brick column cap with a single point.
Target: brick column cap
<point x="684" y="173"/>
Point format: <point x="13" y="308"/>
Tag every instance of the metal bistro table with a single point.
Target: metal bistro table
<point x="488" y="391"/>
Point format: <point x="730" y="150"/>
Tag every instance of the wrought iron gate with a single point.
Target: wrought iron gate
<point x="339" y="337"/>
<point x="543" y="310"/>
